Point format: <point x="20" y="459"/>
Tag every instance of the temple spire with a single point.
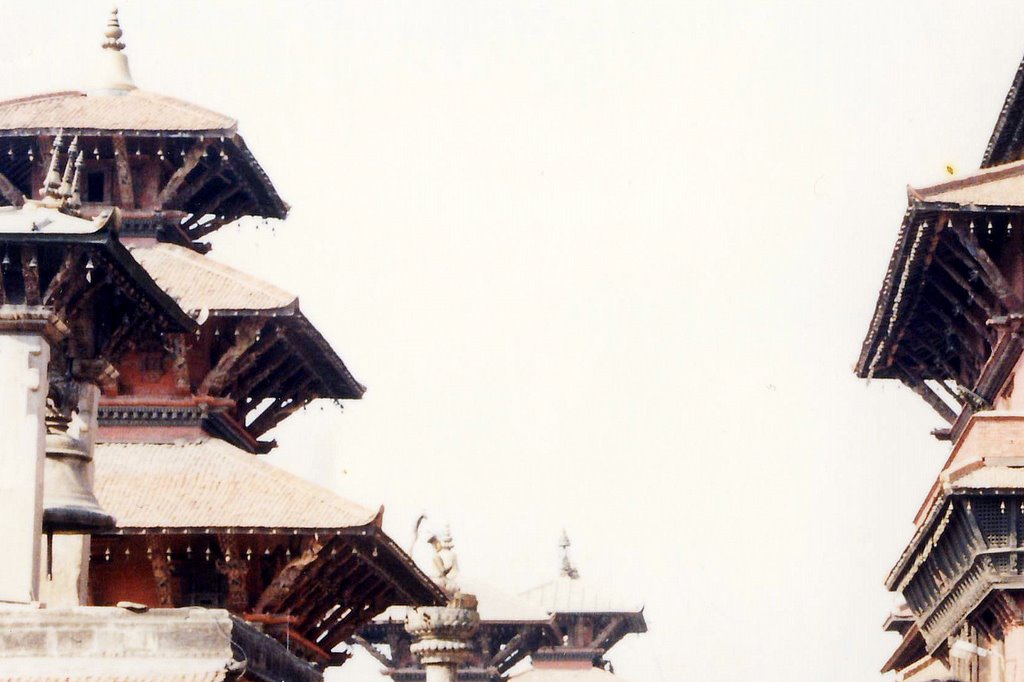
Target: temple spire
<point x="69" y="169"/>
<point x="115" y="77"/>
<point x="568" y="570"/>
<point x="51" y="184"/>
<point x="74" y="201"/>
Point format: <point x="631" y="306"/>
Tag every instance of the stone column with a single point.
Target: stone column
<point x="442" y="636"/>
<point x="25" y="335"/>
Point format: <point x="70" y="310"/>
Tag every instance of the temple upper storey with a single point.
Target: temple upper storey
<point x="177" y="171"/>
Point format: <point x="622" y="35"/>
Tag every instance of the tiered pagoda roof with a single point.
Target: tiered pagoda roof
<point x="195" y="360"/>
<point x="949" y="323"/>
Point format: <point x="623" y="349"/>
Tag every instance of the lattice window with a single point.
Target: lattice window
<point x="993" y="517"/>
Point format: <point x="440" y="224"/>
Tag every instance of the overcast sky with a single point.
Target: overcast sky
<point x="603" y="266"/>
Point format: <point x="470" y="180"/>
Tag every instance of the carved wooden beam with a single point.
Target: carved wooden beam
<point x="185" y="194"/>
<point x="324" y="589"/>
<point x="343" y="628"/>
<point x="62" y="278"/>
<point x="349" y="603"/>
<point x="606" y="633"/>
<point x="276" y="385"/>
<point x="177" y="348"/>
<point x="963" y="283"/>
<point x="284" y="582"/>
<point x="375" y="652"/>
<point x="989" y="271"/>
<point x="136" y="323"/>
<point x="375" y="566"/>
<point x="269" y="338"/>
<point x="30" y="274"/>
<point x="236" y="570"/>
<point x="246" y="334"/>
<point x="503" y="652"/>
<point x="243" y="387"/>
<point x="210" y="206"/>
<point x="273" y="416"/>
<point x="949" y="322"/>
<point x="10" y="192"/>
<point x="303" y="603"/>
<point x="192" y="158"/>
<point x="125" y="189"/>
<point x="914" y="381"/>
<point x="963" y="308"/>
<point x="162" y="570"/>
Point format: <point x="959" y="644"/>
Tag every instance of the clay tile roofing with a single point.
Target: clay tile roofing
<point x="211" y="484"/>
<point x="578" y="595"/>
<point x="212" y="675"/>
<point x="495" y="605"/>
<point x="135" y="110"/>
<point x="565" y="675"/>
<point x="200" y="283"/>
<point x="998" y="186"/>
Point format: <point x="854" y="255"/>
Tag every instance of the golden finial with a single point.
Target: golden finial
<point x="113" y="33"/>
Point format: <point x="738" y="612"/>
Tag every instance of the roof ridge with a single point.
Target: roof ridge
<point x="42" y="96"/>
<point x="981" y="176"/>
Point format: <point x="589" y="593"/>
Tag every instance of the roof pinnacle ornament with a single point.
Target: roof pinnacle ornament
<point x="74" y="201"/>
<point x="113" y="33"/>
<point x="51" y="184"/>
<point x="115" y="78"/>
<point x="69" y="169"/>
<point x="568" y="570"/>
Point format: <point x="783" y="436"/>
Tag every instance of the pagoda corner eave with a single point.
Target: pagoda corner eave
<point x="947" y="303"/>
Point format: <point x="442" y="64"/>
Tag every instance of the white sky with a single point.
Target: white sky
<point x="603" y="266"/>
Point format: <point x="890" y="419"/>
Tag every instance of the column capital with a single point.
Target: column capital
<point x="442" y="632"/>
<point x="32" y="319"/>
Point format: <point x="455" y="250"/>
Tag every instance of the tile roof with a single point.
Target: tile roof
<point x="145" y="673"/>
<point x="33" y="218"/>
<point x="989" y="477"/>
<point x="998" y="186"/>
<point x="579" y="595"/>
<point x="200" y="283"/>
<point x="590" y="674"/>
<point x="211" y="484"/>
<point x="136" y="110"/>
<point x="495" y="605"/>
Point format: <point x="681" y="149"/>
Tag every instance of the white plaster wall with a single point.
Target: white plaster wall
<point x="23" y="388"/>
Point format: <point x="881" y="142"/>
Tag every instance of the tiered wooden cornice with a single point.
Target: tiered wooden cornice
<point x="203" y="181"/>
<point x="312" y="590"/>
<point x="937" y="325"/>
<point x="497" y="647"/>
<point x="966" y="561"/>
<point x="93" y="286"/>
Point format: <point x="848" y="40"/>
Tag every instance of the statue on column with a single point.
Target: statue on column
<point x="445" y="562"/>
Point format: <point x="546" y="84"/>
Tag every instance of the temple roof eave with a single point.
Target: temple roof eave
<point x="104" y="237"/>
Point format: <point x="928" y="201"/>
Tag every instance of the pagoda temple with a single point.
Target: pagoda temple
<point x="563" y="628"/>
<point x="156" y="373"/>
<point x="948" y="324"/>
